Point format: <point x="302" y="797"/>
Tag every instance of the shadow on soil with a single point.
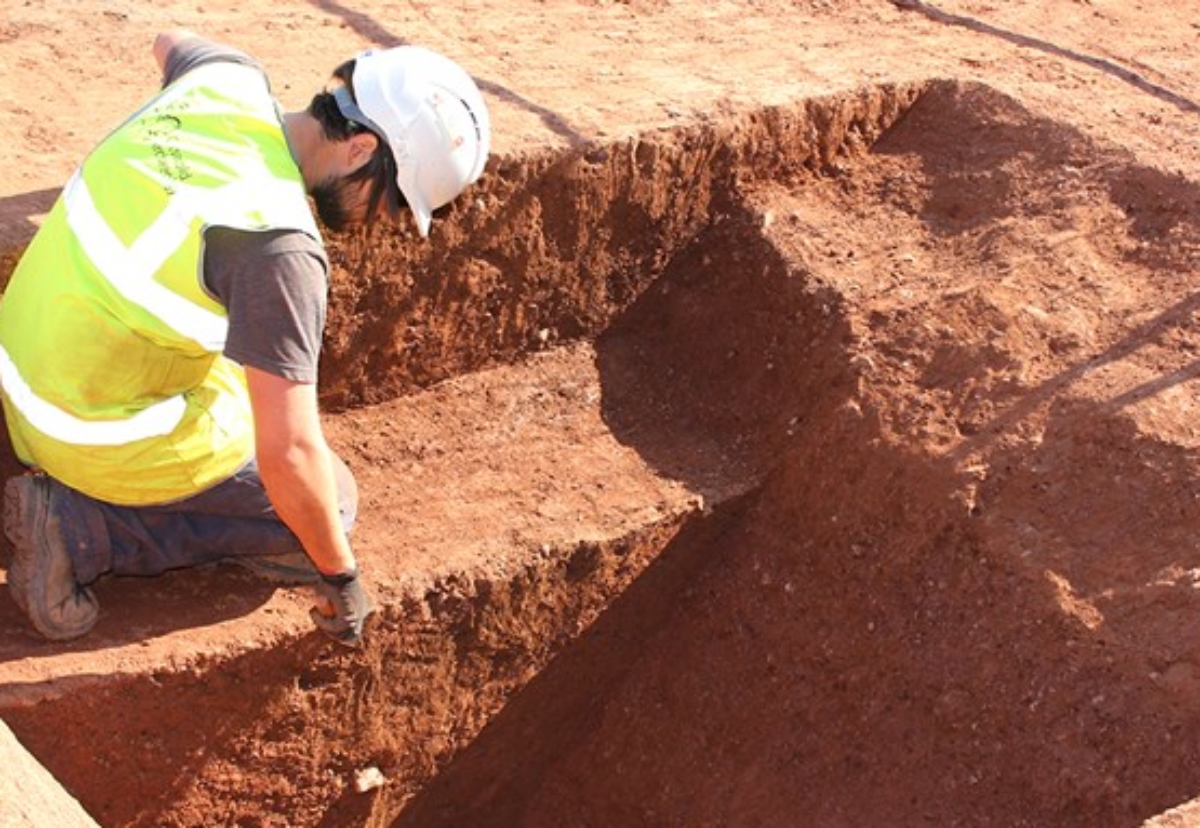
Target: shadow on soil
<point x="869" y="633"/>
<point x="1027" y="41"/>
<point x="864" y="629"/>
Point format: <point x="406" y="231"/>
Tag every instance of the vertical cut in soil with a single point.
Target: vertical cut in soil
<point x="904" y="354"/>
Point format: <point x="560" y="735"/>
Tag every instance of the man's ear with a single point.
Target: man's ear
<point x="359" y="149"/>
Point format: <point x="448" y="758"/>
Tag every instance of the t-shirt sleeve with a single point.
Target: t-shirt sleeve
<point x="274" y="287"/>
<point x="196" y="51"/>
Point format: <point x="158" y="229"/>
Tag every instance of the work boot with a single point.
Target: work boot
<point x="40" y="577"/>
<point x="288" y="568"/>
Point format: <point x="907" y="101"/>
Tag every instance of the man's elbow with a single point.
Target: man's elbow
<point x="166" y="41"/>
<point x="282" y="460"/>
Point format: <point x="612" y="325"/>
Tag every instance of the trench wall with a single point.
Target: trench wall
<point x="881" y="648"/>
<point x="551" y="248"/>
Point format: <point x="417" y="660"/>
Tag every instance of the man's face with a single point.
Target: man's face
<point x="341" y="203"/>
<point x="333" y="204"/>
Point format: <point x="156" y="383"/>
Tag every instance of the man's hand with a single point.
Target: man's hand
<point x="343" y="607"/>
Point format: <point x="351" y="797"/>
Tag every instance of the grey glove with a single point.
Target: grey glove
<point x="345" y="596"/>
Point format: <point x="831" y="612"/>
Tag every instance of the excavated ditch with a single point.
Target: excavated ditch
<point x="840" y="327"/>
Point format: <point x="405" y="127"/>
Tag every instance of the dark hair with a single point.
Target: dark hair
<point x="380" y="169"/>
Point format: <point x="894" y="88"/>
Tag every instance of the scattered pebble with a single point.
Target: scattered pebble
<point x="368" y="779"/>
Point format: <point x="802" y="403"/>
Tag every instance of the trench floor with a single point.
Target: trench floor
<point x="471" y="478"/>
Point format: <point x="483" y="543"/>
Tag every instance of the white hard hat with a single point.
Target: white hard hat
<point x="434" y="119"/>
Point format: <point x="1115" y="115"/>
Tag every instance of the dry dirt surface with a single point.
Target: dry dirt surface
<point x="797" y="426"/>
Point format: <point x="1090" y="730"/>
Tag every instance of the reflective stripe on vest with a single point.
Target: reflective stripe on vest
<point x="157" y="420"/>
<point x="131" y="269"/>
<point x="111" y="345"/>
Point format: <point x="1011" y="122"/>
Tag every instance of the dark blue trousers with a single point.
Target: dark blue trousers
<point x="233" y="518"/>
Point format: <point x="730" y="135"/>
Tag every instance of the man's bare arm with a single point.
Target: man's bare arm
<point x="297" y="467"/>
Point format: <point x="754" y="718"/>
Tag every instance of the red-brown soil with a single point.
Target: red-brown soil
<point x="796" y="426"/>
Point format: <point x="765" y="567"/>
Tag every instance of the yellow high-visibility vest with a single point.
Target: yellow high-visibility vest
<point x="110" y="346"/>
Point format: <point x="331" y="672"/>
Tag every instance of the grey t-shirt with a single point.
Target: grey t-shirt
<point x="272" y="284"/>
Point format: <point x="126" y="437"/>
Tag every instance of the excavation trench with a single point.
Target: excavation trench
<point x="695" y="474"/>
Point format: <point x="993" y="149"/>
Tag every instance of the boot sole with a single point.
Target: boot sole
<point x="276" y="570"/>
<point x="28" y="590"/>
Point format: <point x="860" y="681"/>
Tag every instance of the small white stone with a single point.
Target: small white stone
<point x="368" y="779"/>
